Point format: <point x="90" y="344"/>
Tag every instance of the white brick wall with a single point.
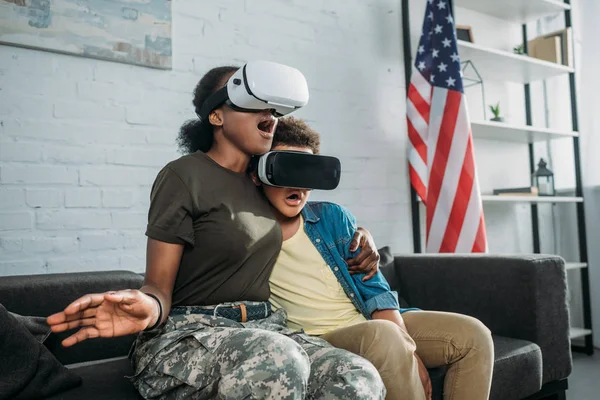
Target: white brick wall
<point x="82" y="140"/>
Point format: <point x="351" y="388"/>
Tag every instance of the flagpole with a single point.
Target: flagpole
<point x="414" y="200"/>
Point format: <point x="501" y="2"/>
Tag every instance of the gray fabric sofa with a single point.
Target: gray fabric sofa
<point x="521" y="299"/>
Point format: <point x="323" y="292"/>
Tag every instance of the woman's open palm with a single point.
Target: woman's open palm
<point x="109" y="314"/>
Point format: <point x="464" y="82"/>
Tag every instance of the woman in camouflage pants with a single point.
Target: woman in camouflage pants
<point x="212" y="244"/>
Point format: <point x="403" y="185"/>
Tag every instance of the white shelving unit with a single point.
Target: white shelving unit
<point x="515" y="10"/>
<point x="500" y="65"/>
<point x="530" y="199"/>
<point x="575" y="265"/>
<point x="516" y="133"/>
<point x="577" y="333"/>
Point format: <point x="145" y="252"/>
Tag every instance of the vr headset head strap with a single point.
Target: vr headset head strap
<point x="215" y="100"/>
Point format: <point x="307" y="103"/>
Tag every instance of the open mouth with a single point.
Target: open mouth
<point x="267" y="125"/>
<point x="294" y="199"/>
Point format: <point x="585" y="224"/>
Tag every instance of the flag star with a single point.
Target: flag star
<point x="446" y="42"/>
<point x="441" y="5"/>
<point x="450" y="82"/>
<point x="421" y="66"/>
<point x="421" y="49"/>
<point x="430" y="16"/>
<point x="435" y="53"/>
<point x="430" y="1"/>
<point x="432" y="78"/>
<point x="450" y="19"/>
<point x="455" y="57"/>
<point x="438" y="29"/>
<point x="443" y="67"/>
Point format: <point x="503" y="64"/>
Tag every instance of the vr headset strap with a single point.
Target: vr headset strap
<point x="214" y="101"/>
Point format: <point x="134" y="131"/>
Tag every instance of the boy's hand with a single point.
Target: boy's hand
<point x="367" y="261"/>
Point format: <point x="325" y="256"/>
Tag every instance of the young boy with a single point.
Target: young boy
<point x="311" y="282"/>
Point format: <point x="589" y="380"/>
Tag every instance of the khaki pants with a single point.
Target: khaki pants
<point x="462" y="343"/>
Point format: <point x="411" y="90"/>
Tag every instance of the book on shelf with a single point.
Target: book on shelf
<point x="555" y="47"/>
<point x="520" y="191"/>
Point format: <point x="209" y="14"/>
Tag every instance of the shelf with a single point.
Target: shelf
<point x="515" y="10"/>
<point x="499" y="65"/>
<point x="575" y="265"/>
<point x="530" y="199"/>
<point x="490" y="130"/>
<point x="576" y="333"/>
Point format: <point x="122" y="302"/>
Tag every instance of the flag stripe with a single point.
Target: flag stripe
<point x="417" y="142"/>
<point x="419" y="102"/>
<point x="442" y="150"/>
<point x="421" y="84"/>
<point x="460" y="204"/>
<point x="417" y="182"/>
<point x="419" y="124"/>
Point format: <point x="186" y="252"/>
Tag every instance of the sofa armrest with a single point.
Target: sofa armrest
<point x="522" y="297"/>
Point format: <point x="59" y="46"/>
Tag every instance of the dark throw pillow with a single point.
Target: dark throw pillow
<point x="28" y="370"/>
<point x="386" y="266"/>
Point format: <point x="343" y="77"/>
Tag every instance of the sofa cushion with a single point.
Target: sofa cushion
<point x="103" y="380"/>
<point x="43" y="295"/>
<point x="386" y="266"/>
<point x="517" y="369"/>
<point x="28" y="369"/>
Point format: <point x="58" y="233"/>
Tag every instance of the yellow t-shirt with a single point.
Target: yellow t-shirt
<point x="305" y="286"/>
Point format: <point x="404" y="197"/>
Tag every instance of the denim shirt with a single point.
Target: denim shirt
<point x="331" y="228"/>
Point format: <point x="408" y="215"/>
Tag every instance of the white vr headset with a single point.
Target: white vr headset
<point x="258" y="86"/>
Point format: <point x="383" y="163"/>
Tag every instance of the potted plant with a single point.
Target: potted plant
<point x="496" y="111"/>
<point x="520" y="49"/>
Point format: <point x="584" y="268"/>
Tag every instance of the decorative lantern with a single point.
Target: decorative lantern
<point x="543" y="180"/>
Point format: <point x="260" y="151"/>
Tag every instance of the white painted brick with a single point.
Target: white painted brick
<point x="75" y="132"/>
<point x="117" y="176"/>
<point x="28" y="152"/>
<point x="16" y="105"/>
<point x="145" y="158"/>
<point x="100" y="241"/>
<point x="11" y="198"/>
<point x="130" y="220"/>
<point x="56" y="220"/>
<point x="159" y="117"/>
<point x="162" y="137"/>
<point x="17" y="220"/>
<point x="118" y="198"/>
<point x="31" y="174"/>
<point x="134" y="240"/>
<point x="83" y="264"/>
<point x="46" y="198"/>
<point x="88" y="111"/>
<point x="22" y="267"/>
<point x="83" y="198"/>
<point x="37" y="85"/>
<point x="11" y="244"/>
<point x="50" y="244"/>
<point x="62" y="154"/>
<point x="135" y="263"/>
<point x="108" y="92"/>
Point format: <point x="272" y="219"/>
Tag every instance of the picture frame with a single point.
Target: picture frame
<point x="465" y="33"/>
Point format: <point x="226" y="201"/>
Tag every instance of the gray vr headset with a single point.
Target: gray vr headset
<point x="299" y="170"/>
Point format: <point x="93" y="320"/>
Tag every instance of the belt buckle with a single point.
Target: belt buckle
<point x="242" y="307"/>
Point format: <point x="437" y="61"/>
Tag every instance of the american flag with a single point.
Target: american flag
<point x="441" y="160"/>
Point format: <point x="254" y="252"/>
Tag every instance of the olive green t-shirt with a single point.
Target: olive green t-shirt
<point x="230" y="234"/>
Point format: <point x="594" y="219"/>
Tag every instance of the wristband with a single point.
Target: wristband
<point x="160" y="312"/>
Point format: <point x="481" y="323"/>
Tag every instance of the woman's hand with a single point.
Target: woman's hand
<point x="367" y="261"/>
<point x="106" y="315"/>
<point x="425" y="379"/>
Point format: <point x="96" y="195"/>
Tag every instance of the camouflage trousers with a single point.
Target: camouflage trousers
<point x="195" y="356"/>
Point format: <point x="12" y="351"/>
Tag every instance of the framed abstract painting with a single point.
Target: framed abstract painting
<point x="128" y="31"/>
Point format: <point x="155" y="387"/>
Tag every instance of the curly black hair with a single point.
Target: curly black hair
<point x="196" y="135"/>
<point x="295" y="132"/>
